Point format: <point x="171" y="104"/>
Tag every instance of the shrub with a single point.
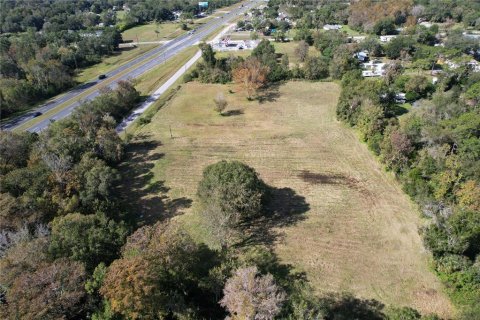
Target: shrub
<point x="233" y="187"/>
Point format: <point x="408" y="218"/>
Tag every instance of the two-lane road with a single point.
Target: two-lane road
<point x="63" y="106"/>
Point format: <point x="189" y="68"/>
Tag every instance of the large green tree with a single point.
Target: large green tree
<point x="89" y="239"/>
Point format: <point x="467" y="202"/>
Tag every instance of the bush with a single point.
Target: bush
<point x="233" y="187"/>
<point x="384" y="27"/>
<point x="144" y="120"/>
<point x="220" y="103"/>
<point x="398" y="46"/>
<point x="404" y="313"/>
<point x="316" y="68"/>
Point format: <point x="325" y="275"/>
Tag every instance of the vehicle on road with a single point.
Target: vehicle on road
<point x="37" y="114"/>
<point x="132" y="69"/>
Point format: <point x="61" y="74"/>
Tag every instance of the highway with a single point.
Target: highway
<point x="63" y="105"/>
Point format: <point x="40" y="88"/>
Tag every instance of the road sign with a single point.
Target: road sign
<point x="203" y="4"/>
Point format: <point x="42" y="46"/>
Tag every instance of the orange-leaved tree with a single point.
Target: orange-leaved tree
<point x="250" y="75"/>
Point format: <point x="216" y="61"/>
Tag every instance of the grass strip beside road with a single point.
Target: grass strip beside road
<point x="79" y="97"/>
<point x="151" y="80"/>
<point x="89" y="74"/>
<point x="169" y="94"/>
<point x="104" y="83"/>
<point x="121" y="57"/>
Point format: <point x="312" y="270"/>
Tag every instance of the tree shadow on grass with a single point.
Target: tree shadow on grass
<point x="146" y="200"/>
<point x="231" y="113"/>
<point x="269" y="94"/>
<point x="284" y="207"/>
<point x="345" y="306"/>
<point x="396" y="110"/>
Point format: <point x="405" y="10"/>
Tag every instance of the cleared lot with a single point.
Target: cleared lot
<point x="357" y="232"/>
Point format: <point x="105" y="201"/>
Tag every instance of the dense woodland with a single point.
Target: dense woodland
<point x="65" y="224"/>
<point x="44" y="43"/>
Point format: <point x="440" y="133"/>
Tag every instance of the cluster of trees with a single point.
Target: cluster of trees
<point x="434" y="151"/>
<point x="42" y="46"/>
<point x="163" y="273"/>
<point x="381" y="17"/>
<point x="250" y="74"/>
<point x="45" y="44"/>
<point x="464" y="11"/>
<point x="313" y="14"/>
<point x="336" y="55"/>
<point x="161" y="10"/>
<point x="49" y="16"/>
<point x="373" y="16"/>
<point x="61" y="216"/>
<point x="266" y="66"/>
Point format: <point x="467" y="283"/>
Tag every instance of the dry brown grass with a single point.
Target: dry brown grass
<point x="360" y="233"/>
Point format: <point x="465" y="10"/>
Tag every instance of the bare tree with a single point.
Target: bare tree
<point x="250" y="76"/>
<point x="249" y="295"/>
<point x="418" y="11"/>
<point x="392" y="71"/>
<point x="301" y="51"/>
<point x="220" y="103"/>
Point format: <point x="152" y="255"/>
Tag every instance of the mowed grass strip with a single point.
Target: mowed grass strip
<point x="153" y="79"/>
<point x="152" y="32"/>
<point x="120" y="57"/>
<point x="360" y="232"/>
<point x="81" y="96"/>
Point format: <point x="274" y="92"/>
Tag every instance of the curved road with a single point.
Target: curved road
<point x="129" y="70"/>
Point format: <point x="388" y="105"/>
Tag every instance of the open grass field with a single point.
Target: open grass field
<point x="289" y="49"/>
<point x="350" y="227"/>
<point x="147" y="32"/>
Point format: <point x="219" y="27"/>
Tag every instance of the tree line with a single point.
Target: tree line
<point x="434" y="151"/>
<point x="61" y="215"/>
<point x="69" y="249"/>
<point x="44" y="43"/>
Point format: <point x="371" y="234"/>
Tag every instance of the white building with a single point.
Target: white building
<point x="332" y="27"/>
<point x="474" y="65"/>
<point x="357" y="39"/>
<point x="361" y="56"/>
<point x="426" y="24"/>
<point x="472" y="36"/>
<point x="373" y="69"/>
<point x="400" y="97"/>
<point x="452" y="65"/>
<point x="387" y="38"/>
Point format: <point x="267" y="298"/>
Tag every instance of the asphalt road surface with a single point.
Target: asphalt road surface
<point x="129" y="70"/>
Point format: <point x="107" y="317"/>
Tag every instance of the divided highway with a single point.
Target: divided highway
<point x="63" y="106"/>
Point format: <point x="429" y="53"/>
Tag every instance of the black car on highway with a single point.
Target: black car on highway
<point x="102" y="76"/>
